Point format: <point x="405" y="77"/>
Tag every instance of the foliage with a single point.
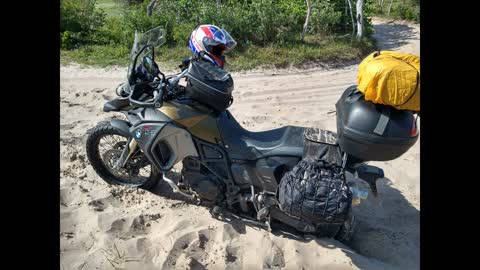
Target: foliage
<point x="270" y="26"/>
<point x="401" y="9"/>
<point x="79" y="19"/>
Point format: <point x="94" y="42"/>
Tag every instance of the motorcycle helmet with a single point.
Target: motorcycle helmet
<point x="213" y="41"/>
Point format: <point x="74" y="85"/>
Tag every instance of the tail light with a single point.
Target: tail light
<point x="414" y="130"/>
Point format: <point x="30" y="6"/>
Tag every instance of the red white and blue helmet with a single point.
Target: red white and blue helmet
<point x="213" y="40"/>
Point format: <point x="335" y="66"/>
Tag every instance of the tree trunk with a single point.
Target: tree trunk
<point x="359" y="19"/>
<point x="346" y="15"/>
<point x="307" y="20"/>
<point x="389" y="7"/>
<point x="351" y="15"/>
<point x="150" y="7"/>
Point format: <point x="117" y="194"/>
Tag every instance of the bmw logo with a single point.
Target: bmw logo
<point x="138" y="134"/>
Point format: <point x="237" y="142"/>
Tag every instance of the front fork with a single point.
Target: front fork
<point x="127" y="152"/>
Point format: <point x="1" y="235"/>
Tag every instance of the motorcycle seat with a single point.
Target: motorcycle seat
<point x="116" y="104"/>
<point x="242" y="144"/>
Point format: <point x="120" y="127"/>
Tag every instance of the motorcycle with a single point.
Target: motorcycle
<point x="237" y="172"/>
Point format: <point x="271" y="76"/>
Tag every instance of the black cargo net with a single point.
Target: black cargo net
<point x="315" y="189"/>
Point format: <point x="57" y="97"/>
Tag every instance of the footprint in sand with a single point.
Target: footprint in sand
<point x="277" y="261"/>
<point x="141" y="225"/>
<point x="231" y="256"/>
<point x="98" y="205"/>
<point x="117" y="226"/>
<point x="261" y="119"/>
<point x="67" y="126"/>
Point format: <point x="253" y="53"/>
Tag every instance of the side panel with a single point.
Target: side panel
<point x="164" y="143"/>
<point x="245" y="175"/>
<point x="142" y="115"/>
<point x="178" y="141"/>
<point x="271" y="170"/>
<point x="264" y="173"/>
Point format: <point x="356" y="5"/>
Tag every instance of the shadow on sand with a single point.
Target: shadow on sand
<point x="387" y="228"/>
<point x="390" y="35"/>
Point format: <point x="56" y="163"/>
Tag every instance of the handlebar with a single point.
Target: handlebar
<point x="163" y="89"/>
<point x="174" y="81"/>
<point x="157" y="97"/>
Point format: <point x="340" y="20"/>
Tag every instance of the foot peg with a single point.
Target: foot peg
<point x="216" y="211"/>
<point x="175" y="188"/>
<point x="263" y="213"/>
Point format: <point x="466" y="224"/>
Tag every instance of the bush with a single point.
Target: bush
<point x="78" y="20"/>
<point x="181" y="33"/>
<point x="261" y="28"/>
<point x="407" y="12"/>
<point x="258" y="22"/>
<point x="66" y="41"/>
<point x="129" y="2"/>
<point x="401" y="9"/>
<point x="324" y="17"/>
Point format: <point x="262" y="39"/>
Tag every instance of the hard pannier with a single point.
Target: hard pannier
<point x="373" y="132"/>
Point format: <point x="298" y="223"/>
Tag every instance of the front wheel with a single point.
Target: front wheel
<point x="104" y="147"/>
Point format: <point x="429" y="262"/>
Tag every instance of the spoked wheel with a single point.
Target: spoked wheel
<point x="104" y="148"/>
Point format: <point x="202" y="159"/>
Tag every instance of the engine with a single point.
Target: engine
<point x="198" y="179"/>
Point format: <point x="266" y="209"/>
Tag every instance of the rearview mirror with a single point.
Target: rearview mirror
<point x="150" y="65"/>
<point x="147" y="70"/>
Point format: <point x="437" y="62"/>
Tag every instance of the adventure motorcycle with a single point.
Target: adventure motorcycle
<point x="235" y="170"/>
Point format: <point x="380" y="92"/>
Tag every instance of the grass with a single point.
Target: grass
<point x="96" y="55"/>
<point x="394" y="16"/>
<point x="110" y="7"/>
<point x="313" y="49"/>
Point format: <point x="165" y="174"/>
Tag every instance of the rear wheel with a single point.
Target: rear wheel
<point x="104" y="147"/>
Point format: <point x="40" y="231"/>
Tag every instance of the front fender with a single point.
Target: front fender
<point x="122" y="126"/>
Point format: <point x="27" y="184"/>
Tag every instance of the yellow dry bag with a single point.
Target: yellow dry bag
<point x="391" y="78"/>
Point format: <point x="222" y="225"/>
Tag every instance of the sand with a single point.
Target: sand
<point x="111" y="227"/>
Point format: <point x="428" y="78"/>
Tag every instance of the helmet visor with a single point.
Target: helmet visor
<point x="222" y="38"/>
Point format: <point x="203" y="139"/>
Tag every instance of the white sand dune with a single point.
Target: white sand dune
<point x="106" y="227"/>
